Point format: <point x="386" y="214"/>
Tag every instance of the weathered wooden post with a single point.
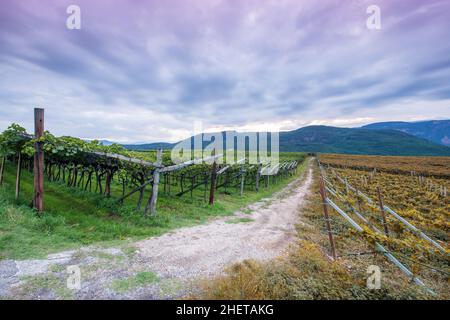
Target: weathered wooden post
<point x="383" y="214"/>
<point x="358" y="199"/>
<point x="2" y="169"/>
<point x="156" y="174"/>
<point x="346" y="186"/>
<point x="225" y="183"/>
<point x="213" y="182"/>
<point x="168" y="182"/>
<point x="38" y="200"/>
<point x="108" y="183"/>
<point x="242" y="181"/>
<point x="18" y="174"/>
<point x="327" y="217"/>
<point x="258" y="176"/>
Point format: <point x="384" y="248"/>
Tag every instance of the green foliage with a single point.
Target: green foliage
<point x="12" y="140"/>
<point x="15" y="139"/>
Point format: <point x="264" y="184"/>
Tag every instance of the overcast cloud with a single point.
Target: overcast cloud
<point x="145" y="71"/>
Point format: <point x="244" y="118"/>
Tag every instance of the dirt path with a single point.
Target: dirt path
<point x="165" y="266"/>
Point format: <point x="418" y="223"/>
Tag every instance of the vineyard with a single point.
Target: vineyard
<point x="418" y="166"/>
<point x="101" y="193"/>
<point x="402" y="211"/>
<point x="91" y="166"/>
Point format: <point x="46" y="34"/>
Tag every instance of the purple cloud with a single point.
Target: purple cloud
<point x="145" y="70"/>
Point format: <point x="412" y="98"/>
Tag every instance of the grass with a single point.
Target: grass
<point x="239" y="220"/>
<point x="47" y="283"/>
<point x="139" y="280"/>
<point x="75" y="218"/>
<point x="304" y="275"/>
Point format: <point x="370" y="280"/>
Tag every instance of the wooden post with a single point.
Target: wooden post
<point x="358" y="199"/>
<point x="2" y="170"/>
<point x="168" y="182"/>
<point x="242" y="181"/>
<point x="346" y="186"/>
<point x="225" y="183"/>
<point x="213" y="182"/>
<point x="205" y="189"/>
<point x="323" y="194"/>
<point x="383" y="214"/>
<point x="107" y="183"/>
<point x="156" y="174"/>
<point x="19" y="171"/>
<point x="38" y="200"/>
<point x="258" y="176"/>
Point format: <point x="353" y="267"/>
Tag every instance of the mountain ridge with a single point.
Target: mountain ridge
<point x="327" y="139"/>
<point x="437" y="131"/>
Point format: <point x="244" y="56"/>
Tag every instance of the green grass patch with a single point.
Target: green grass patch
<point x="239" y="220"/>
<point x="141" y="279"/>
<point x="75" y="218"/>
<point x="47" y="283"/>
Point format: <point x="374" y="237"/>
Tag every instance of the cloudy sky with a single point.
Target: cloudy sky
<point x="146" y="71"/>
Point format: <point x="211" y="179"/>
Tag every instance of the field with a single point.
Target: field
<point x="429" y="166"/>
<point x="419" y="198"/>
<point x="308" y="272"/>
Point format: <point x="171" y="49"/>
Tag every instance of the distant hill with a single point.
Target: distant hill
<point x="358" y="141"/>
<point x="149" y="146"/>
<point x="345" y="140"/>
<point x="102" y="142"/>
<point x="437" y="131"/>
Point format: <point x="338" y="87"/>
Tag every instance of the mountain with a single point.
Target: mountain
<point x="102" y="142"/>
<point x="346" y="140"/>
<point x="437" y="131"/>
<point x="149" y="146"/>
<point x="106" y="142"/>
<point x="358" y="141"/>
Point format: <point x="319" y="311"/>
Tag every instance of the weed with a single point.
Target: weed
<point x="239" y="220"/>
<point x="139" y="280"/>
<point x="38" y="284"/>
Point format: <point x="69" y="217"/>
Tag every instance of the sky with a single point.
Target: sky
<point x="147" y="71"/>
